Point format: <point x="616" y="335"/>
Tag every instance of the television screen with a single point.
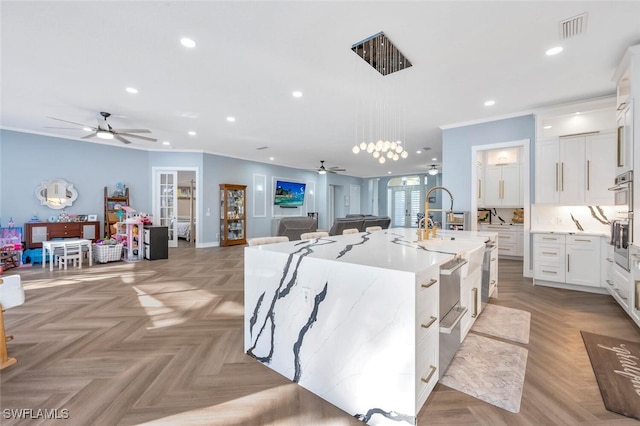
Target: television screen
<point x="289" y="193"/>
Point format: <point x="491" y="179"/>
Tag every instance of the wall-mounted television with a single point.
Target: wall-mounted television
<point x="289" y="194"/>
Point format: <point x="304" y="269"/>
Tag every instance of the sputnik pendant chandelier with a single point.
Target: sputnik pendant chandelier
<point x="380" y="124"/>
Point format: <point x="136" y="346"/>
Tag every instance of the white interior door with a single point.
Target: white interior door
<point x="166" y="203"/>
<point x="354" y="197"/>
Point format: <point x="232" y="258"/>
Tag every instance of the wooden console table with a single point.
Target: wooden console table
<point x="37" y="232"/>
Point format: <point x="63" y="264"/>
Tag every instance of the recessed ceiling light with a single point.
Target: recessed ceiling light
<point x="418" y="152"/>
<point x="231" y="119"/>
<point x="434" y="159"/>
<point x="388" y="173"/>
<point x="166" y="143"/>
<point x="187" y="42"/>
<point x="547" y="127"/>
<point x="297" y="94"/>
<point x="578" y="113"/>
<point x="553" y="51"/>
<point x="271" y="158"/>
<point x="192" y="133"/>
<point x="490" y="102"/>
<point x="132" y="90"/>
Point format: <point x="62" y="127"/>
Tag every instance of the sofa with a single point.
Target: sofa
<point x="293" y="227"/>
<point x="359" y="221"/>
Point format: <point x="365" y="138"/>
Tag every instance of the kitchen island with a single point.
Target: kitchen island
<point x="354" y="318"/>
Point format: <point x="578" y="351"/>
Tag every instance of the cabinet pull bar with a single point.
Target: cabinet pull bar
<point x="609" y="260"/>
<point x="562" y="175"/>
<point x="579" y="239"/>
<point x="619" y="146"/>
<point x="479" y="188"/>
<point x="636" y="304"/>
<point x="549" y="272"/>
<point x="549" y="238"/>
<point x="556" y="177"/>
<point x="588" y="174"/>
<point x="621" y="296"/>
<point x="430" y="283"/>
<point x="433" y="370"/>
<point x="474" y="293"/>
<point x="549" y="252"/>
<point x="568" y="264"/>
<point x="609" y="282"/>
<point x="430" y="323"/>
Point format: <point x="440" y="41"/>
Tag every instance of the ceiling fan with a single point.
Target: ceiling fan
<point x="105" y="131"/>
<point x="322" y="169"/>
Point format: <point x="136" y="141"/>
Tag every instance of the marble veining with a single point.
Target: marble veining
<point x="391" y="415"/>
<point x="312" y="318"/>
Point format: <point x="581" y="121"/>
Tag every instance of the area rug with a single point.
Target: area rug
<point x="490" y="370"/>
<point x="506" y="323"/>
<point x="616" y="364"/>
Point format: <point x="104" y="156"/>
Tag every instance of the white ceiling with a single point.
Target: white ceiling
<point x="72" y="59"/>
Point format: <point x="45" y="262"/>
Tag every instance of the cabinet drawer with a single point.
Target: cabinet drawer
<point x="582" y="240"/>
<point x="549" y="254"/>
<point x="427" y="369"/>
<point x="549" y="272"/>
<point x="548" y="238"/>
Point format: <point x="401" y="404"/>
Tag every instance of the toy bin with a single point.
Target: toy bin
<point x="103" y="253"/>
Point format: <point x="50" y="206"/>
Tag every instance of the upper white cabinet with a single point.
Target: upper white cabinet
<point x="627" y="78"/>
<point x="502" y="179"/>
<point x="576" y="170"/>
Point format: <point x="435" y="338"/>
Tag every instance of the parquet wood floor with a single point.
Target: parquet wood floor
<point x="160" y="343"/>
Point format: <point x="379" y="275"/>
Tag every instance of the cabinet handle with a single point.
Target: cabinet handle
<point x="568" y="264"/>
<point x="479" y="188"/>
<point x="562" y="175"/>
<point x="430" y="283"/>
<point x="556" y="177"/>
<point x="619" y="146"/>
<point x="609" y="282"/>
<point x="588" y="174"/>
<point x="609" y="260"/>
<point x="549" y="238"/>
<point x="582" y="239"/>
<point x="433" y="370"/>
<point x="621" y="296"/>
<point x="430" y="323"/>
<point x="474" y="294"/>
<point x="549" y="272"/>
<point x="549" y="252"/>
<point x="636" y="304"/>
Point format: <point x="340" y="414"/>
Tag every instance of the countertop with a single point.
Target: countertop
<point x="576" y="232"/>
<point x="394" y="249"/>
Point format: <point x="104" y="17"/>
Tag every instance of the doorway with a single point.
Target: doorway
<point x="405" y="196"/>
<point x="168" y="192"/>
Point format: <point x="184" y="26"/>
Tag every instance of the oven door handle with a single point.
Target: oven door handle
<point x="457" y="264"/>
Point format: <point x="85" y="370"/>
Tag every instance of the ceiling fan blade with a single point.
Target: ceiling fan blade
<point x="132" y="130"/>
<point x="138" y="136"/>
<point x="90" y="135"/>
<point x="71" y="122"/>
<point x="69" y="128"/>
<point x="330" y="171"/>
<point x="120" y="138"/>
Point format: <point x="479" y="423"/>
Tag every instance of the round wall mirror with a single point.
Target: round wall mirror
<point x="56" y="193"/>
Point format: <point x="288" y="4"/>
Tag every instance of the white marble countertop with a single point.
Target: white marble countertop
<point x="576" y="232"/>
<point x="395" y="248"/>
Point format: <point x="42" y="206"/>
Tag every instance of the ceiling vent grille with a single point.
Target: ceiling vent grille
<point x="573" y="26"/>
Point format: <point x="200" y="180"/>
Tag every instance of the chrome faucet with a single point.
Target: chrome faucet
<point x="423" y="233"/>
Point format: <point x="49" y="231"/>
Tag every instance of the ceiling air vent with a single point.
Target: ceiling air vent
<point x="573" y="26"/>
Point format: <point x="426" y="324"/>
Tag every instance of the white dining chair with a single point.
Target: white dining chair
<point x="267" y="240"/>
<point x="11" y="295"/>
<point x="350" y="231"/>
<point x="313" y="235"/>
<point x="373" y="228"/>
<point x="71" y="253"/>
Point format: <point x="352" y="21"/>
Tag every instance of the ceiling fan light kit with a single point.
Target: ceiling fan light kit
<point x="322" y="170"/>
<point x="380" y="115"/>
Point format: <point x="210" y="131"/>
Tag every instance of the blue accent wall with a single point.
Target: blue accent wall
<point x="456" y="151"/>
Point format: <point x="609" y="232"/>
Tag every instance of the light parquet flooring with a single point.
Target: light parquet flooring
<point x="160" y="343"/>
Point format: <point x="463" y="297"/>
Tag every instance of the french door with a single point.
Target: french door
<point x="405" y="206"/>
<point x="166" y="202"/>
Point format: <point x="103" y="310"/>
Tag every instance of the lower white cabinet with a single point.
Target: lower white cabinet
<point x="569" y="259"/>
<point x="620" y="287"/>
<point x="427" y="333"/>
<point x="510" y="239"/>
<point x="583" y="260"/>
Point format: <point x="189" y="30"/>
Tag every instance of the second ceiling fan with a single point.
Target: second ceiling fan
<point x="323" y="170"/>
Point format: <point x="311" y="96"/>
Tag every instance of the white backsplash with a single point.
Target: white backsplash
<point x="558" y="218"/>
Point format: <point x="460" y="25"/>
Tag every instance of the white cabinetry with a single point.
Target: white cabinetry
<point x="620" y="287"/>
<point x="470" y="290"/>
<point x="510" y="239"/>
<point x="583" y="260"/>
<point x="569" y="259"/>
<point x="502" y="188"/>
<point x="575" y="170"/>
<point x="606" y="263"/>
<point x="427" y="333"/>
<point x="548" y="257"/>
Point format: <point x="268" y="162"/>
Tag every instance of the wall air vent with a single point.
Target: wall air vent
<point x="573" y="26"/>
<point x="262" y="148"/>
